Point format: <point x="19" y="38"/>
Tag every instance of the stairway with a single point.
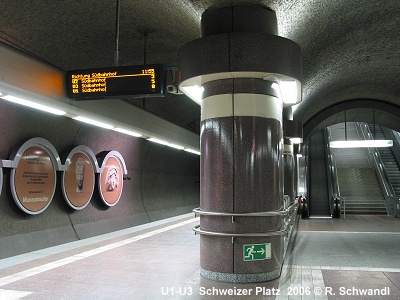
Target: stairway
<point x="389" y="161"/>
<point x="358" y="181"/>
<point x="361" y="190"/>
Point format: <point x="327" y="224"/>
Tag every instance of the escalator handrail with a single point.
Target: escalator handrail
<point x="332" y="173"/>
<point x="378" y="161"/>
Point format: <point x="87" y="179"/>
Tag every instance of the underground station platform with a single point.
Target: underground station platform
<point x="352" y="258"/>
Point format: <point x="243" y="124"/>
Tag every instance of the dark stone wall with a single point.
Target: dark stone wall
<point x="164" y="182"/>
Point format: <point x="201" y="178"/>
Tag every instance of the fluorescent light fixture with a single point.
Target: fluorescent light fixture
<point x="294" y="108"/>
<point x="288" y="91"/>
<point x="296" y="140"/>
<point x="194" y="92"/>
<point x="94" y="122"/>
<point x="276" y="87"/>
<point x="192" y="151"/>
<point x="32" y="104"/>
<point x="128" y="132"/>
<point x="175" y="146"/>
<point x="299" y="155"/>
<point x="361" y="144"/>
<point x="158" y="141"/>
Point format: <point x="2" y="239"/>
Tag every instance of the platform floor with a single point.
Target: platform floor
<point x="328" y="259"/>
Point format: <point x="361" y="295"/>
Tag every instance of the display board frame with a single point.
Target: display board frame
<point x="139" y="81"/>
<point x="39" y="161"/>
<point x="70" y="196"/>
<point x="111" y="195"/>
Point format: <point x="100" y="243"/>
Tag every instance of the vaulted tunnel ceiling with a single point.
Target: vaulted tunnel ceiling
<point x="351" y="49"/>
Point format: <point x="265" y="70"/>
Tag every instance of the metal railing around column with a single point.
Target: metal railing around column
<point x="290" y="213"/>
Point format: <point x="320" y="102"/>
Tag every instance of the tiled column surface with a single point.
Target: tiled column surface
<point x="241" y="146"/>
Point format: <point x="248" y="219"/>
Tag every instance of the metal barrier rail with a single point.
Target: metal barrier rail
<point x="275" y="213"/>
<point x="292" y="206"/>
<point x="284" y="232"/>
<point x="288" y="212"/>
<point x="292" y="214"/>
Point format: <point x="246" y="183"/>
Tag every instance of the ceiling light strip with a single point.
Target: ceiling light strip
<point x="128" y="132"/>
<point x="361" y="144"/>
<point x="93" y="122"/>
<point x="31" y="104"/>
<point x="158" y="141"/>
<point x="165" y="143"/>
<point x="192" y="151"/>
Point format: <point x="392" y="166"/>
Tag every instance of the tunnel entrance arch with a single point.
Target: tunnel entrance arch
<point x="357" y="110"/>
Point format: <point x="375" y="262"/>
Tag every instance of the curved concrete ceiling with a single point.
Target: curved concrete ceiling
<point x="351" y="49"/>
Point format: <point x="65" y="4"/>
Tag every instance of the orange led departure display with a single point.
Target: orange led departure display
<point x="135" y="81"/>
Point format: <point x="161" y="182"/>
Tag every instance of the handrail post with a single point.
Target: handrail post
<point x="344" y="208"/>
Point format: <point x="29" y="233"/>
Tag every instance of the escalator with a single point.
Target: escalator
<point x="318" y="191"/>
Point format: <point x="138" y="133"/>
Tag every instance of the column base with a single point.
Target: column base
<point x="240" y="278"/>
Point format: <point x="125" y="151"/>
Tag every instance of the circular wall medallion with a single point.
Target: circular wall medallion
<point x="111" y="181"/>
<point x="78" y="180"/>
<point x="33" y="182"/>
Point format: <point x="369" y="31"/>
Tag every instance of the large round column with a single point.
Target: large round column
<point x="241" y="147"/>
<point x="292" y="134"/>
<point x="238" y="64"/>
<point x="288" y="167"/>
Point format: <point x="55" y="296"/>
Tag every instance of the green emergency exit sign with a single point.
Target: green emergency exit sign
<point x="256" y="252"/>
